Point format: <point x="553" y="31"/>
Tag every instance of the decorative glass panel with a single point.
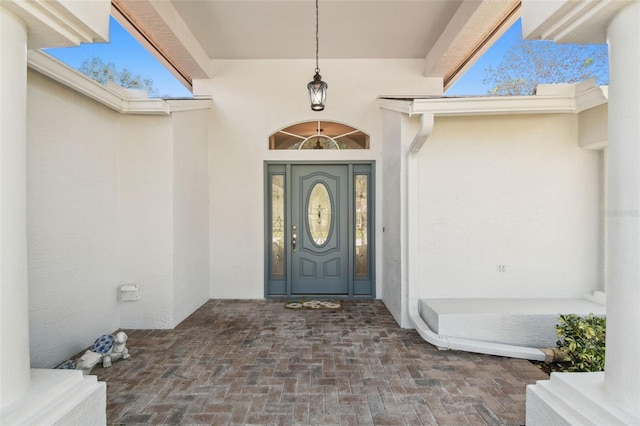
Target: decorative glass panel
<point x="320" y="210"/>
<point x="317" y="142"/>
<point x="277" y="226"/>
<point x="319" y="135"/>
<point x="362" y="220"/>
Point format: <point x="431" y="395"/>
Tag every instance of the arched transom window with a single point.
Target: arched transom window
<point x="319" y="135"/>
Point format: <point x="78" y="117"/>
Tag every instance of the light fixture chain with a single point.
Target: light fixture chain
<point x="317" y="88"/>
<point x="317" y="37"/>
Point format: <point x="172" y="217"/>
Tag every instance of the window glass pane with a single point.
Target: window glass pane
<point x="319" y="211"/>
<point x="277" y="226"/>
<point x="362" y="221"/>
<point x="319" y="135"/>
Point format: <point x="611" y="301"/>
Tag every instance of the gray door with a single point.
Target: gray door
<point x="319" y="229"/>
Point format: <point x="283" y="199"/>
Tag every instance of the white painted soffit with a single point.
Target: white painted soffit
<point x="551" y="99"/>
<point x="115" y="98"/>
<point x="569" y="21"/>
<point x="473" y="29"/>
<point x="59" y="23"/>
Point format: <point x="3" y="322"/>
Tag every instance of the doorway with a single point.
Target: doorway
<point x="319" y="227"/>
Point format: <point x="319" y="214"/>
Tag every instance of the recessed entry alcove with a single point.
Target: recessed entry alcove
<point x="319" y="230"/>
<point x="319" y="134"/>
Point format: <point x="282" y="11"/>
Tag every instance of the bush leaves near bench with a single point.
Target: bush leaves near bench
<point x="583" y="340"/>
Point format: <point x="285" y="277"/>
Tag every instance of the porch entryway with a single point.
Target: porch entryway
<point x="236" y="362"/>
<point x="319" y="226"/>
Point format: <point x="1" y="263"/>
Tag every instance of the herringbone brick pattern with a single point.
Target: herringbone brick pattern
<point x="254" y="362"/>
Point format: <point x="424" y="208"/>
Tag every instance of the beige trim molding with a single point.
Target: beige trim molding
<point x="116" y="98"/>
<point x="550" y="99"/>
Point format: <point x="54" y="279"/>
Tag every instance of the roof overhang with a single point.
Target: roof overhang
<point x="117" y="98"/>
<point x="550" y="99"/>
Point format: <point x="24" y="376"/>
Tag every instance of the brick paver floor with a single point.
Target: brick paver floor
<point x="255" y="362"/>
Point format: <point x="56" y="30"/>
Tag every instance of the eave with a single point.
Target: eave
<point x="554" y="99"/>
<point x="114" y="98"/>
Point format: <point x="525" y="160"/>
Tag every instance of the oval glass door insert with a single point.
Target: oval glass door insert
<point x="319" y="214"/>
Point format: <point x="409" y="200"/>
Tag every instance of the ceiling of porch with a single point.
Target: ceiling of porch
<point x="447" y="34"/>
<point x="286" y="29"/>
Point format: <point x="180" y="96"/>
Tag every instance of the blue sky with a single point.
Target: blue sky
<point x="124" y="51"/>
<point x="471" y="82"/>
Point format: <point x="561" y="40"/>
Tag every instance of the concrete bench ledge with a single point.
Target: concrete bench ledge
<point x="520" y="322"/>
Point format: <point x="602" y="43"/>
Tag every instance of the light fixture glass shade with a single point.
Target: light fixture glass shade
<point x="317" y="92"/>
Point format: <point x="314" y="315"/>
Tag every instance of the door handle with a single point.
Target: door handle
<point x="294" y="239"/>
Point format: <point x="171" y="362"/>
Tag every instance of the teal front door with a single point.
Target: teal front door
<point x="319" y="230"/>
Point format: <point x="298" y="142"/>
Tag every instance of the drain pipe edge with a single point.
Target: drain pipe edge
<point x="442" y="342"/>
<point x="469" y="345"/>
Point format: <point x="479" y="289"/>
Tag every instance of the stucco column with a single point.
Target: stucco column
<point x="15" y="373"/>
<point x="622" y="369"/>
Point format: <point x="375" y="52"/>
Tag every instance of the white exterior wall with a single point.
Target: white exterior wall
<point x="508" y="190"/>
<point x="145" y="170"/>
<point x="253" y="99"/>
<point x="190" y="213"/>
<point x="164" y="221"/>
<point x="112" y="199"/>
<point x="72" y="221"/>
<point x="393" y="275"/>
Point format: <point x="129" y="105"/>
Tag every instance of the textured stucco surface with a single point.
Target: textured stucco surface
<point x="112" y="199"/>
<point x="190" y="213"/>
<point x="515" y="191"/>
<point x="72" y="221"/>
<point x="146" y="219"/>
<point x="393" y="274"/>
<point x="246" y="111"/>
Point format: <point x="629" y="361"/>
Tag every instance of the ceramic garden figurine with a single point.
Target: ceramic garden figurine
<point x="107" y="348"/>
<point x="87" y="361"/>
<point x="118" y="350"/>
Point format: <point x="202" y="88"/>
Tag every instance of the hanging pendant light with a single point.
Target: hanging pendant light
<point x="317" y="87"/>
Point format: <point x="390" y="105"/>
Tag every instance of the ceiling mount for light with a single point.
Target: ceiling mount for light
<point x="317" y="87"/>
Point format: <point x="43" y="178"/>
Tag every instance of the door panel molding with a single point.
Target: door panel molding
<point x="333" y="268"/>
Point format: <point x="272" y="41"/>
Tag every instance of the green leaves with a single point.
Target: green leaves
<point x="583" y="339"/>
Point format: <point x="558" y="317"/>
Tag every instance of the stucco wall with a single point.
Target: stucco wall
<point x="72" y="220"/>
<point x="190" y="213"/>
<point x="112" y="199"/>
<point x="164" y="217"/>
<point x="514" y="191"/>
<point x="253" y="99"/>
<point x="146" y="219"/>
<point x="392" y="273"/>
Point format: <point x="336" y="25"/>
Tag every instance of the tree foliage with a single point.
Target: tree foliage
<point x="529" y="63"/>
<point x="96" y="69"/>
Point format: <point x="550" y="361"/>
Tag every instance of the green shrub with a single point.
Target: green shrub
<point x="583" y="340"/>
